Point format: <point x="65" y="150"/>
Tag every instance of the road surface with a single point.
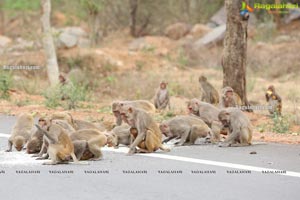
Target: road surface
<point x="188" y="172"/>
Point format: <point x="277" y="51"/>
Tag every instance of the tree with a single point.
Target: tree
<point x="133" y="10"/>
<point x="235" y="50"/>
<point x="49" y="48"/>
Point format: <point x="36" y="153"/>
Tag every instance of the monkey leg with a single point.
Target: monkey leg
<point x="9" y="146"/>
<point x="79" y="147"/>
<point x="95" y="149"/>
<point x="52" y="152"/>
<point x="244" y="138"/>
<point x="230" y="140"/>
<point x="184" y="136"/>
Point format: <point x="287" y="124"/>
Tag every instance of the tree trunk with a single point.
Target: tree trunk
<point x="49" y="48"/>
<point x="276" y="15"/>
<point x="133" y="4"/>
<point x="235" y="50"/>
<point x="2" y="19"/>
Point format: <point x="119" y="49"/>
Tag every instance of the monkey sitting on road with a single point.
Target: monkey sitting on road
<point x="188" y="129"/>
<point x="35" y="142"/>
<point x="123" y="134"/>
<point x="161" y="98"/>
<point x="61" y="148"/>
<point x="209" y="93"/>
<point x="274" y="100"/>
<point x="148" y="136"/>
<point x="229" y="98"/>
<point x="21" y="132"/>
<point x="240" y="128"/>
<point x="141" y="104"/>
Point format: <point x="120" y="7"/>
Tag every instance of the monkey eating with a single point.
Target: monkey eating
<point x="274" y="101"/>
<point x="142" y="104"/>
<point x="35" y="142"/>
<point x="239" y="126"/>
<point x="209" y="93"/>
<point x="161" y="98"/>
<point x="148" y="136"/>
<point x="188" y="129"/>
<point x="21" y="132"/>
<point x="91" y="140"/>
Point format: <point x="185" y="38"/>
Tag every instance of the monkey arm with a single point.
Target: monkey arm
<point x="267" y="97"/>
<point x="169" y="138"/>
<point x="184" y="136"/>
<point x="118" y="120"/>
<point x="9" y="146"/>
<point x="278" y="98"/>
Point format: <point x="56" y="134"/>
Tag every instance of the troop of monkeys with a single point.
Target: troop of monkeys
<point x="61" y="138"/>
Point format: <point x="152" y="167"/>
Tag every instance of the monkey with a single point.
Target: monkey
<point x="91" y="140"/>
<point x="21" y="132"/>
<point x="65" y="85"/>
<point x="75" y="123"/>
<point x="274" y="101"/>
<point x="239" y="126"/>
<point x="161" y="98"/>
<point x="142" y="104"/>
<point x="207" y="112"/>
<point x="45" y="142"/>
<point x="148" y="136"/>
<point x="229" y="98"/>
<point x="209" y="93"/>
<point x="35" y="142"/>
<point x="119" y="135"/>
<point x="188" y="129"/>
<point x="60" y="148"/>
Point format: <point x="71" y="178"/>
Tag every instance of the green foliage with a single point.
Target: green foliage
<point x="73" y="94"/>
<point x="24" y="5"/>
<point x="182" y="59"/>
<point x="251" y="84"/>
<point x="68" y="95"/>
<point x="53" y="96"/>
<point x="5" y="84"/>
<point x="281" y="124"/>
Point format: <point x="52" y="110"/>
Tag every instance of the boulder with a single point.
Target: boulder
<point x="213" y="37"/>
<point x="199" y="30"/>
<point x="177" y="30"/>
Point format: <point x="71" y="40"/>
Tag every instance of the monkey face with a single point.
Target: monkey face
<point x="229" y="94"/>
<point x="33" y="146"/>
<point x="19" y="143"/>
<point x="164" y="128"/>
<point x="193" y="107"/>
<point x="127" y="114"/>
<point x="163" y="86"/>
<point x="112" y="140"/>
<point x="224" y="117"/>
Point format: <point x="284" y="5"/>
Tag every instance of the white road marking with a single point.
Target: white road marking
<point x="4" y="135"/>
<point x="208" y="162"/>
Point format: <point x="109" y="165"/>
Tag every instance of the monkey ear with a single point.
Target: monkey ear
<point x="130" y="109"/>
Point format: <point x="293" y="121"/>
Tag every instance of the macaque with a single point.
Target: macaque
<point x="188" y="129"/>
<point x="209" y="93"/>
<point x="91" y="140"/>
<point x="21" y="132"/>
<point x="35" y="142"/>
<point x="161" y="98"/>
<point x="60" y="148"/>
<point x="148" y="136"/>
<point x="274" y="100"/>
<point x="239" y="126"/>
<point x="229" y="98"/>
<point x="141" y="104"/>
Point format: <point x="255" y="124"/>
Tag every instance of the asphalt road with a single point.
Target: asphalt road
<point x="189" y="172"/>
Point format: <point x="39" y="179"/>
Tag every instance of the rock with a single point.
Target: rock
<point x="84" y="43"/>
<point x="177" y="30"/>
<point x="67" y="40"/>
<point x="108" y="60"/>
<point x="76" y="31"/>
<point x="293" y="15"/>
<point x="4" y="41"/>
<point x="199" y="30"/>
<point x="219" y="18"/>
<point x="213" y="37"/>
